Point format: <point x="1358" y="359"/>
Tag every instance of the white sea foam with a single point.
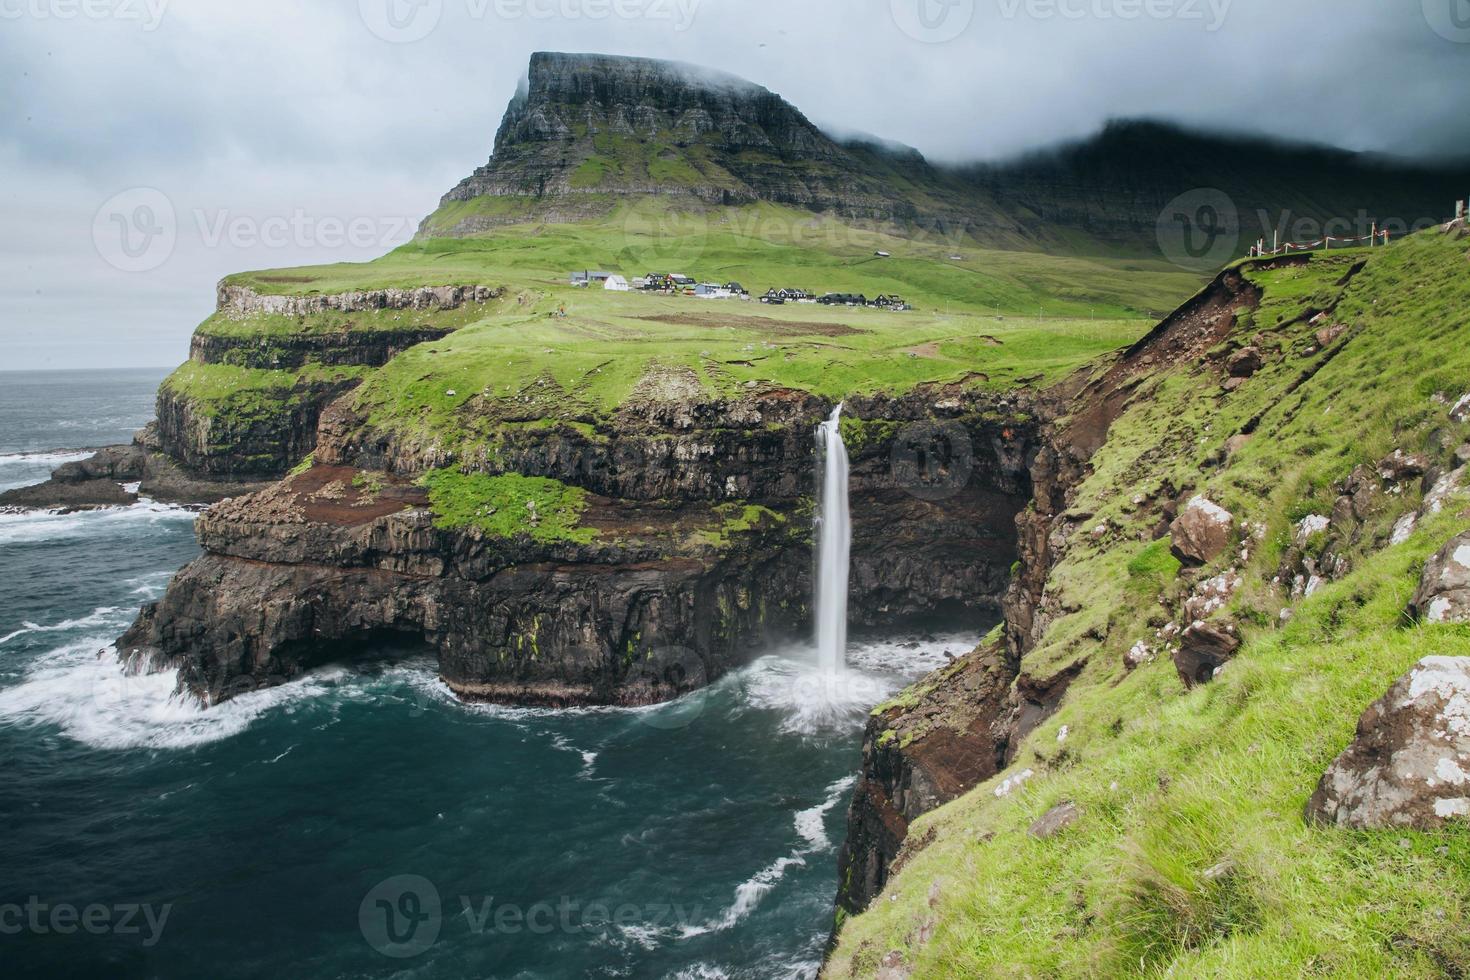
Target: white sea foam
<point x="589" y="759"/>
<point x="82" y="689"/>
<point x="815" y="700"/>
<point x="25" y="527"/>
<point x="102" y="616"/>
<point x="50" y="458"/>
<point x="748" y="895"/>
<point x="701" y="971"/>
<point x="910" y="656"/>
<point x="810" y="826"/>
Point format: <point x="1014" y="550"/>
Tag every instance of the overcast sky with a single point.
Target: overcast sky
<point x="279" y="132"/>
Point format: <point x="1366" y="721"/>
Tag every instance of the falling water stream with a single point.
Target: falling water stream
<point x="834" y="545"/>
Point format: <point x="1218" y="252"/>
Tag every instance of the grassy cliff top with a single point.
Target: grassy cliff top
<point x="610" y="347"/>
<point x="1191" y="856"/>
<point x="761" y="246"/>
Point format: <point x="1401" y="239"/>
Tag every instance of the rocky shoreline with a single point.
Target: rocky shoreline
<point x="118" y="476"/>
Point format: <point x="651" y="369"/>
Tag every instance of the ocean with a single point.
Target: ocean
<point x="361" y="822"/>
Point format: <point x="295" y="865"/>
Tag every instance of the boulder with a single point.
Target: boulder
<point x="1410" y="763"/>
<point x="1443" y="595"/>
<point x="1055" y="820"/>
<point x="1203" y="649"/>
<point x="1327" y="335"/>
<point x="1399" y="466"/>
<point x="1201" y="531"/>
<point x="893" y="967"/>
<point x="1244" y="362"/>
<point x="1461" y="409"/>
<point x="1443" y="487"/>
<point x="1309" y="527"/>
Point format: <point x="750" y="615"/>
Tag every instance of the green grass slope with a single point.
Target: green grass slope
<point x="1191" y="856"/>
<point x="760" y="246"/>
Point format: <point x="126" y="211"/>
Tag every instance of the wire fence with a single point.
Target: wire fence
<point x="1384" y="235"/>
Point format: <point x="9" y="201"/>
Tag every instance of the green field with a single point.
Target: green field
<point x="762" y="246"/>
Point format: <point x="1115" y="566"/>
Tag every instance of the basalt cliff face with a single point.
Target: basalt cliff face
<point x="220" y="434"/>
<point x="697" y="548"/>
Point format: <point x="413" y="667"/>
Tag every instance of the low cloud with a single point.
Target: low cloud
<point x="370" y="109"/>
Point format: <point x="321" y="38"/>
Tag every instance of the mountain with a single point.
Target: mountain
<point x="593" y="127"/>
<point x="588" y="132"/>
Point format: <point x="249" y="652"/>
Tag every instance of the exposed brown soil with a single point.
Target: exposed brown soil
<point x="328" y="494"/>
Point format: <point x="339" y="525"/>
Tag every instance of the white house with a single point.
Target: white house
<point x="616" y="284"/>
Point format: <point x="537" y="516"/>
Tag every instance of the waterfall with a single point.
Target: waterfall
<point x="834" y="545"/>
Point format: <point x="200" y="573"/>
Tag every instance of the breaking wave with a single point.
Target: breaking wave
<point x="26" y="527"/>
<point x="811" y="828"/>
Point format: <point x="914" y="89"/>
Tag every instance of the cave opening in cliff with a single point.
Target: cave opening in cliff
<point x="364" y="652"/>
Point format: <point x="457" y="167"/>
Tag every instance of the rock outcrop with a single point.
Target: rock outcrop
<point x="1410" y="763"/>
<point x="255" y="428"/>
<point x="121" y="475"/>
<point x="236" y="300"/>
<point x="919" y="755"/>
<point x="1443" y="595"/>
<point x="1201" y="532"/>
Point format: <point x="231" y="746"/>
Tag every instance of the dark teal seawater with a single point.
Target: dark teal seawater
<point x="361" y="822"/>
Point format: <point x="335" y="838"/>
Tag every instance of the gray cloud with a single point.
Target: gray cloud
<point x="281" y="108"/>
